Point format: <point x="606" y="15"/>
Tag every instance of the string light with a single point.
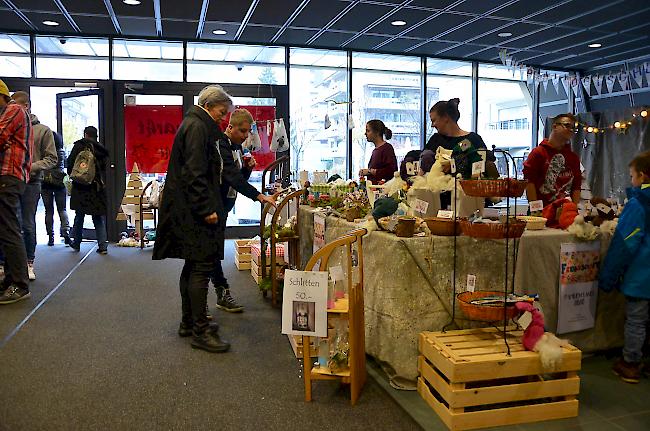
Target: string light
<point x="621" y="126"/>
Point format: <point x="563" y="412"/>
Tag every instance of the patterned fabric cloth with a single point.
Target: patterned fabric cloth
<point x="256" y="252"/>
<point x="16" y="142"/>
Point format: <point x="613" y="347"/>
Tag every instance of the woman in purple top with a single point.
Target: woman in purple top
<point x="383" y="163"/>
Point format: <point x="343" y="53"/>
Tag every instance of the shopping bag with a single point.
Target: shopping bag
<point x="253" y="142"/>
<point x="279" y="142"/>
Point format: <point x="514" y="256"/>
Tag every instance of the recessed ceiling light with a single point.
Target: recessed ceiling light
<point x="132" y="2"/>
<point x="505" y="34"/>
<point x="50" y="23"/>
<point x="398" y="23"/>
<point x="595" y="45"/>
<point x="219" y="32"/>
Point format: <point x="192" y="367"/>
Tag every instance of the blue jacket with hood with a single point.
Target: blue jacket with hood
<point x="627" y="264"/>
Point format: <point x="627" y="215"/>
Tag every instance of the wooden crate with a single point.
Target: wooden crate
<point x="243" y="246"/>
<point x="243" y="264"/>
<point x="467" y="378"/>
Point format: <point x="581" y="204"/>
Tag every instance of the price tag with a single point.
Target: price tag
<point x="453" y="165"/>
<point x="536" y="206"/>
<point x="336" y="272"/>
<point x="525" y="320"/>
<point x="471" y="282"/>
<point x="477" y="169"/>
<point x="445" y="214"/>
<point x="421" y="206"/>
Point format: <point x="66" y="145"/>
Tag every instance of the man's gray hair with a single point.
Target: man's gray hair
<point x="214" y="95"/>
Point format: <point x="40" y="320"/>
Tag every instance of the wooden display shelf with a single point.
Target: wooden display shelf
<point x="318" y="372"/>
<point x="468" y="379"/>
<point x="295" y="341"/>
<point x="341" y="306"/>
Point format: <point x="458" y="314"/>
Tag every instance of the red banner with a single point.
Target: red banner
<point x="261" y="114"/>
<point x="149" y="132"/>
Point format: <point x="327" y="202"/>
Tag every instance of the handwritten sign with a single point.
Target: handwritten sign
<point x="421" y="206"/>
<point x="536" y="206"/>
<point x="304" y="303"/>
<point x="445" y="214"/>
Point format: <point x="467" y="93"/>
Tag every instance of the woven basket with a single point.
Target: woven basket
<point x="442" y="226"/>
<point x="493" y="230"/>
<point x="494" y="188"/>
<point x="533" y="223"/>
<point x="485" y="313"/>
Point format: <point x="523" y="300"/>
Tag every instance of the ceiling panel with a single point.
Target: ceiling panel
<point x="399" y="45"/>
<point x="189" y="10"/>
<point x="138" y="26"/>
<point x="37" y="19"/>
<point x="144" y="9"/>
<point x="209" y="27"/>
<point x="35" y="5"/>
<point x="461" y="51"/>
<point x="437" y="4"/>
<point x="85" y="6"/>
<point x="572" y="10"/>
<point x="480" y="6"/>
<point x="430" y="47"/>
<point x="297" y="37"/>
<point x="517" y="30"/>
<point x="468" y="31"/>
<point x="332" y="39"/>
<point x="535" y="38"/>
<point x="361" y="16"/>
<point x="257" y="34"/>
<point x="235" y="12"/>
<point x="366" y="42"/>
<point x="525" y="8"/>
<point x="11" y="21"/>
<point x="637" y="19"/>
<point x="95" y="24"/>
<point x="269" y="13"/>
<point x="410" y="16"/>
<point x="179" y="29"/>
<point x="438" y="25"/>
<point x="318" y="13"/>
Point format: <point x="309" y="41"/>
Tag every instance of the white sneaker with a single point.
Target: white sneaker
<point x="30" y="270"/>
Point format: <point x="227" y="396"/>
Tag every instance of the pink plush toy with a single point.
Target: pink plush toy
<point x="535" y="339"/>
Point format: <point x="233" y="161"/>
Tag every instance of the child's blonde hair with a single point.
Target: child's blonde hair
<point x="241" y="116"/>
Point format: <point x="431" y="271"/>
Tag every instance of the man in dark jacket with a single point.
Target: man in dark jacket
<point x="192" y="216"/>
<point x="235" y="176"/>
<point x="89" y="199"/>
<point x="53" y="191"/>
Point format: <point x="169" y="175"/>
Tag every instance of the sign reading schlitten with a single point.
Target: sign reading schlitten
<point x="304" y="303"/>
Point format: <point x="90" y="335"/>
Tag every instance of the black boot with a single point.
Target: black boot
<point x="185" y="329"/>
<point x="209" y="341"/>
<point x="50" y="240"/>
<point x="66" y="239"/>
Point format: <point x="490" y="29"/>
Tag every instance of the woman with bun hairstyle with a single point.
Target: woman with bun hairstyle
<point x="383" y="163"/>
<point x="444" y="117"/>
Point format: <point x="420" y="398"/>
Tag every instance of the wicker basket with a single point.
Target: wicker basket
<point x="493" y="230"/>
<point x="442" y="226"/>
<point x="494" y="188"/>
<point x="485" y="313"/>
<point x="533" y="223"/>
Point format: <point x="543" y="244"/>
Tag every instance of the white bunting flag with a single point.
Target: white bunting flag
<point x="598" y="83"/>
<point x="575" y="85"/>
<point x="586" y="83"/>
<point x="545" y="81"/>
<point x="556" y="83"/>
<point x="623" y="79"/>
<point x="609" y="81"/>
<point x="637" y="75"/>
<point x="565" y="83"/>
<point x="646" y="68"/>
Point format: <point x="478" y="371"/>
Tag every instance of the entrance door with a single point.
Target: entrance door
<point x="74" y="112"/>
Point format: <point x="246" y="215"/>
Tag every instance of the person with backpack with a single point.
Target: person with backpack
<point x="87" y="170"/>
<point x="53" y="191"/>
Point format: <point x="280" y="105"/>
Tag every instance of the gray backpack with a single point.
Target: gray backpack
<point x="83" y="171"/>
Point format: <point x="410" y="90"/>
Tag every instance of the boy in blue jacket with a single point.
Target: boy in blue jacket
<point x="627" y="267"/>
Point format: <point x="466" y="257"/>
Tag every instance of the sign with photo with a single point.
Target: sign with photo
<point x="304" y="303"/>
<point x="578" y="286"/>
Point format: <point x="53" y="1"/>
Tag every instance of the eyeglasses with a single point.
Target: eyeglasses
<point x="568" y="126"/>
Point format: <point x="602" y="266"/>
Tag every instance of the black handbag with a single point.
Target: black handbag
<point x="54" y="177"/>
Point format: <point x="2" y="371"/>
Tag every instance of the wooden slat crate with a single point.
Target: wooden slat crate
<point x="467" y="378"/>
<point x="243" y="262"/>
<point x="242" y="254"/>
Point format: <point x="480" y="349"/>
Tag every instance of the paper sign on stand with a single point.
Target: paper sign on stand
<point x="421" y="206"/>
<point x="536" y="206"/>
<point x="446" y="214"/>
<point x="304" y="303"/>
<point x="578" y="286"/>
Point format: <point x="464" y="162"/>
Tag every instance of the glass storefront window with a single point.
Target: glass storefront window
<point x="235" y="64"/>
<point x="504" y="109"/>
<point x="385" y="87"/>
<point x="318" y="79"/>
<point x="446" y="80"/>
<point x="14" y="56"/>
<point x="147" y="60"/>
<point x="71" y="57"/>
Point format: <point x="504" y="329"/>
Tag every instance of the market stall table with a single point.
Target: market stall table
<point x="408" y="287"/>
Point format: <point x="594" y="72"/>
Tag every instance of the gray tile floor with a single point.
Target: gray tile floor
<point x="606" y="403"/>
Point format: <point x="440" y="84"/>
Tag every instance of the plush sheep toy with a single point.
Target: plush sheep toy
<point x="535" y="339"/>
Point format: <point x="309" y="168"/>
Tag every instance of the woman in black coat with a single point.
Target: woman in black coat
<point x="191" y="213"/>
<point x="89" y="199"/>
